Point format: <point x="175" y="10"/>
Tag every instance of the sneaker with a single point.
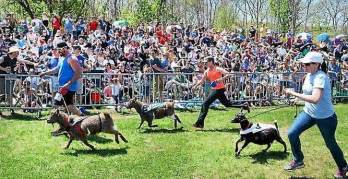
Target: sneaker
<point x="341" y="173"/>
<point x="293" y="165"/>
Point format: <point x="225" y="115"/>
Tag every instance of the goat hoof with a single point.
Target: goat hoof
<point x="54" y="134"/>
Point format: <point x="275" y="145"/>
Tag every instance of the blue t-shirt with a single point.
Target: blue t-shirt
<point x="164" y="63"/>
<point x="157" y="62"/>
<point x="68" y="25"/>
<point x="52" y="63"/>
<point x="80" y="27"/>
<point x="324" y="108"/>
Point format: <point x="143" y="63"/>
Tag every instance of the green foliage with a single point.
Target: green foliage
<point x="224" y="18"/>
<point x="130" y="16"/>
<point x="147" y="11"/>
<point x="280" y="10"/>
<point x="74" y="7"/>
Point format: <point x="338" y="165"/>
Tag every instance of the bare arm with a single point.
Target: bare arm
<point x="157" y="68"/>
<point x="53" y="70"/>
<point x="27" y="62"/>
<point x="202" y="80"/>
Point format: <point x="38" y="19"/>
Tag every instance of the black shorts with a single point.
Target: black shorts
<point x="68" y="97"/>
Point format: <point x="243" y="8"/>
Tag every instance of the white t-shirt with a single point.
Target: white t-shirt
<point x="115" y="89"/>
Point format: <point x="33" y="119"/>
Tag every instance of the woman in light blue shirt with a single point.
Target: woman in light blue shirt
<point x="318" y="110"/>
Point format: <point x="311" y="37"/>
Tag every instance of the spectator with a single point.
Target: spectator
<point x="56" y="24"/>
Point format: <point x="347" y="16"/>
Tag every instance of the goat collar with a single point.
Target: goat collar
<point x="66" y="122"/>
<point x="256" y="128"/>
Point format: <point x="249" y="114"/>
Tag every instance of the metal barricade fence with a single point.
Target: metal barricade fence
<point x="32" y="93"/>
<point x="339" y="85"/>
<point x="28" y="92"/>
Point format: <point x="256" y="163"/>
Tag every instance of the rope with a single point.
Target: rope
<point x="66" y="106"/>
<point x="279" y="107"/>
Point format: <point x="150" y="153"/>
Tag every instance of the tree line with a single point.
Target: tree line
<point x="280" y="15"/>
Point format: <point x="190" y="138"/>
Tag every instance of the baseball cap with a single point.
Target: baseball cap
<point x="312" y="57"/>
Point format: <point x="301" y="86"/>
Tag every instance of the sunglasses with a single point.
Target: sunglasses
<point x="308" y="64"/>
<point x="59" y="49"/>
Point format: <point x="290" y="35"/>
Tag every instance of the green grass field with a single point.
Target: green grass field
<point x="28" y="151"/>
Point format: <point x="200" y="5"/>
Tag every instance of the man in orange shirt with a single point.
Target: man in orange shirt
<point x="216" y="76"/>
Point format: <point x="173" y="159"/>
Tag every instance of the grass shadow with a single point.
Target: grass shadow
<point x="228" y="130"/>
<point x="218" y="109"/>
<point x="300" y="177"/>
<point x="98" y="139"/>
<point x="152" y="131"/>
<point x="92" y="113"/>
<point x="124" y="112"/>
<point x="22" y="117"/>
<point x="186" y="110"/>
<point x="99" y="152"/>
<point x="263" y="157"/>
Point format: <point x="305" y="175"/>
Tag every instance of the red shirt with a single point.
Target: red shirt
<point x="56" y="23"/>
<point x="108" y="91"/>
<point x="93" y="25"/>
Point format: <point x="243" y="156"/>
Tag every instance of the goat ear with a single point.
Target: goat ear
<point x="246" y="107"/>
<point x="56" y="111"/>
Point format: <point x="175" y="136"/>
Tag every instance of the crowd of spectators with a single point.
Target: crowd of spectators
<point x="132" y="55"/>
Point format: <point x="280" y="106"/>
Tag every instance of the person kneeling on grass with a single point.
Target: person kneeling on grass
<point x="318" y="110"/>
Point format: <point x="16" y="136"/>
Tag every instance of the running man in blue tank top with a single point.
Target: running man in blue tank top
<point x="69" y="72"/>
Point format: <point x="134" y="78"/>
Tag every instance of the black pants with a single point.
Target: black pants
<point x="68" y="98"/>
<point x="214" y="94"/>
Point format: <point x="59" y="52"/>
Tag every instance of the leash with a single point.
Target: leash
<point x="64" y="102"/>
<point x="279" y="107"/>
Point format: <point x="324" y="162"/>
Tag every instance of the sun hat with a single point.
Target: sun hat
<point x="13" y="49"/>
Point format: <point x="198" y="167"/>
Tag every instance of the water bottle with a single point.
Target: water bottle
<point x="213" y="84"/>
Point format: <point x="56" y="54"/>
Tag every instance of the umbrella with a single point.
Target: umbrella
<point x="324" y="37"/>
<point x="342" y="36"/>
<point x="120" y="23"/>
<point x="304" y="35"/>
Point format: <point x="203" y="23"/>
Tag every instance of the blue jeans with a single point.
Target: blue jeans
<point x="327" y="129"/>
